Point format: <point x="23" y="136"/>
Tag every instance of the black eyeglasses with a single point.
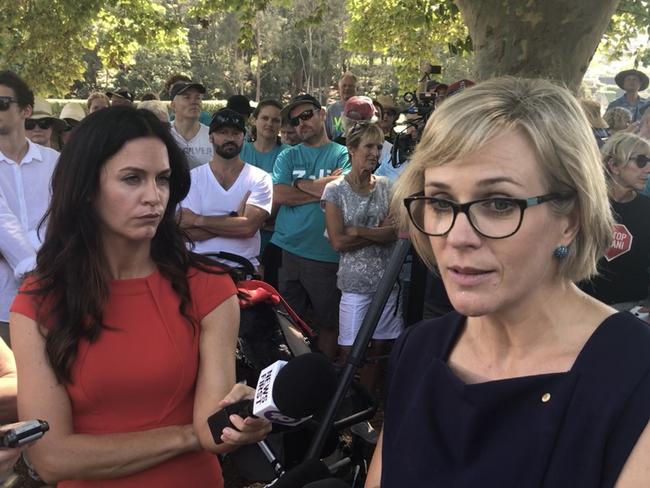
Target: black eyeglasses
<point x="306" y="115"/>
<point x="70" y="124"/>
<point x="494" y="218"/>
<point x="641" y="160"/>
<point x="5" y="102"/>
<point x="30" y="124"/>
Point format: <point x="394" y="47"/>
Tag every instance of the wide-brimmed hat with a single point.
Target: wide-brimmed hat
<point x="121" y="93"/>
<point x="299" y="100"/>
<point x="42" y="110"/>
<point x="643" y="78"/>
<point x="183" y="86"/>
<point x="72" y="111"/>
<point x="387" y="102"/>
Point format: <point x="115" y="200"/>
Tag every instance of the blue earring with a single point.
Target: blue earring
<point x="561" y="252"/>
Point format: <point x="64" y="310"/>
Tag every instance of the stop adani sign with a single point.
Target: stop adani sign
<point x="621" y="243"/>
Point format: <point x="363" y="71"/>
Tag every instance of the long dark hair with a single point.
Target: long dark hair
<point x="71" y="268"/>
<point x="264" y="103"/>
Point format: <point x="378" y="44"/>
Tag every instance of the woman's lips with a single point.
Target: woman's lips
<point x="467" y="276"/>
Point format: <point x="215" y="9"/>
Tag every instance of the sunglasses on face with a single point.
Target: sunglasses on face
<point x="306" y="115"/>
<point x="70" y="124"/>
<point x="30" y="124"/>
<point x="5" y="102"/>
<point x="641" y="160"/>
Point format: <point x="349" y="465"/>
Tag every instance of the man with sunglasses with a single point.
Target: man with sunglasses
<point x="191" y="135"/>
<point x="25" y="172"/>
<point x="39" y="126"/>
<point x="309" y="263"/>
<point x="229" y="199"/>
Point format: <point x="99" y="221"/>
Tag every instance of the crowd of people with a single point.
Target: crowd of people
<point x="112" y="216"/>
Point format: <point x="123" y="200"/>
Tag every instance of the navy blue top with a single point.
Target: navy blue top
<point x="574" y="429"/>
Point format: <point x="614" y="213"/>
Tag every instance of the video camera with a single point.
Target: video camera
<point x="421" y="106"/>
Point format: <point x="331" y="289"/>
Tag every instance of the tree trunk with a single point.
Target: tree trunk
<point x="553" y="39"/>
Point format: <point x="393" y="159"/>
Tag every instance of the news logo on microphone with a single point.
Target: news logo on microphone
<point x="263" y="404"/>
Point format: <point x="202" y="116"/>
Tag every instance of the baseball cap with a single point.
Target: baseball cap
<point x="359" y="108"/>
<point x="183" y="86"/>
<point x="299" y="100"/>
<point x="121" y="93"/>
<point x="226" y="117"/>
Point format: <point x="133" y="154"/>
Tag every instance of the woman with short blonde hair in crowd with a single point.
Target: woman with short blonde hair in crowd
<point x="530" y="382"/>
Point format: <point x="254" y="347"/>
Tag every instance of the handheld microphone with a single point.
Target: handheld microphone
<point x="287" y="393"/>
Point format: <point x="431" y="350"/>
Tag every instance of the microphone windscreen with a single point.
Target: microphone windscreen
<point x="304" y="385"/>
<point x="306" y="472"/>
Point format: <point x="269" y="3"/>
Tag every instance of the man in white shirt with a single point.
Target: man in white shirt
<point x="25" y="172"/>
<point x="229" y="199"/>
<point x="191" y="135"/>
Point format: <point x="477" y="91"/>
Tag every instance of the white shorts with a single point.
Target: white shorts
<point x="352" y="311"/>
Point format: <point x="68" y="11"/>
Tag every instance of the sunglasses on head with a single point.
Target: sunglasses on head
<point x="306" y="115"/>
<point x="30" y="124"/>
<point x="641" y="160"/>
<point x="5" y="102"/>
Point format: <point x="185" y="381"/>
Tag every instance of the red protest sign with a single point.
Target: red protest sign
<point x="621" y="242"/>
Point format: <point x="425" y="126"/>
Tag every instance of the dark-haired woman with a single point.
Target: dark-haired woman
<point x="262" y="152"/>
<point x="124" y="340"/>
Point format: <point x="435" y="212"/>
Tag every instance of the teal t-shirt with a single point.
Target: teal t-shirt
<point x="262" y="160"/>
<point x="300" y="229"/>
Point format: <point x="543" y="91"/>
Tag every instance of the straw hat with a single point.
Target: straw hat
<point x="42" y="109"/>
<point x="72" y="111"/>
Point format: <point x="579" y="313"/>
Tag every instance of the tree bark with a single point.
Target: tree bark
<point x="553" y="39"/>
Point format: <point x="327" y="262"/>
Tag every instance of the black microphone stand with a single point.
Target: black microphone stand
<point x="355" y="358"/>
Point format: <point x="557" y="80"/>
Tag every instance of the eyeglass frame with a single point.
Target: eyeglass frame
<point x="39" y="123"/>
<point x="457" y="208"/>
<point x="304" y="115"/>
<point x="644" y="160"/>
<point x="6" y="101"/>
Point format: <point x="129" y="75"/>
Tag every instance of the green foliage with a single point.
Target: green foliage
<point x="631" y="19"/>
<point x="408" y="32"/>
<point x="44" y="40"/>
<point x="47" y="41"/>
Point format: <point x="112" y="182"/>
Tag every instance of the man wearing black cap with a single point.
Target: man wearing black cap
<point x="229" y="199"/>
<point x="191" y="135"/>
<point x="121" y="96"/>
<point x="309" y="264"/>
<point x="632" y="81"/>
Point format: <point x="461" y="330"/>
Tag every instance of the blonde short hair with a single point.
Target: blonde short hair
<point x="618" y="118"/>
<point x="97" y="95"/>
<point x="156" y="107"/>
<point x="560" y="135"/>
<point x="619" y="149"/>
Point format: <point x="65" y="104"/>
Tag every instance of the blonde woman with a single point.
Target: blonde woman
<point x="623" y="280"/>
<point x="530" y="382"/>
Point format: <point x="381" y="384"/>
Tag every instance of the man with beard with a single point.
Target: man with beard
<point x="25" y="172"/>
<point x="190" y="134"/>
<point x="229" y="199"/>
<point x="309" y="264"/>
